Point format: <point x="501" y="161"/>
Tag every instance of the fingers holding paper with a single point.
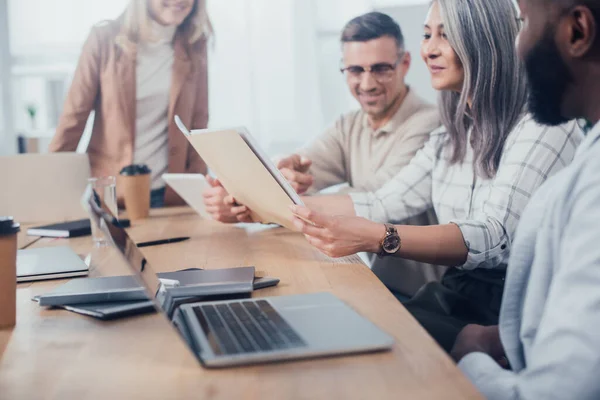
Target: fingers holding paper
<point x="239" y="211"/>
<point x="214" y="201"/>
<point x="336" y="235"/>
<point x="295" y="169"/>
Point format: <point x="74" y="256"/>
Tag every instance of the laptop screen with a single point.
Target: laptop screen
<point x="127" y="247"/>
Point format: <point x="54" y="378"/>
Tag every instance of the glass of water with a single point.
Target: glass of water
<point x="106" y="188"/>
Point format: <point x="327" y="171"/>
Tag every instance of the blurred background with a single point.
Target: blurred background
<point x="273" y="64"/>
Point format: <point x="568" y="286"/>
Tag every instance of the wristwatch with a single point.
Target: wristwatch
<point x="391" y="243"/>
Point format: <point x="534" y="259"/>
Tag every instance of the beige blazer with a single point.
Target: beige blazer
<point x="105" y="81"/>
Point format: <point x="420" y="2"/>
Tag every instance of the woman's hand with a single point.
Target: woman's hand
<point x="337" y="235"/>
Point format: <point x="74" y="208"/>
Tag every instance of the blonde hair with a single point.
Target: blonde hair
<point x="136" y="28"/>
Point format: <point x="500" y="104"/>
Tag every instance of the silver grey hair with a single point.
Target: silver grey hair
<point x="483" y="33"/>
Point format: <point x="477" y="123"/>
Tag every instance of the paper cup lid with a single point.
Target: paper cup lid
<point x="135" y="169"/>
<point x="8" y="226"/>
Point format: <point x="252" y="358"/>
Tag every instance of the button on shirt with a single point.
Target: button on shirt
<point x="487" y="211"/>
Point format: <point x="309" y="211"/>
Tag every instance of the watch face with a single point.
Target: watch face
<point x="391" y="244"/>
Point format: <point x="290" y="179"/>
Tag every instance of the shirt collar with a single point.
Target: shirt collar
<point x="406" y="109"/>
<point x="162" y="34"/>
<point x="591" y="137"/>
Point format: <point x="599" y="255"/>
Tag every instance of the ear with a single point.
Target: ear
<point x="580" y="32"/>
<point x="406" y="60"/>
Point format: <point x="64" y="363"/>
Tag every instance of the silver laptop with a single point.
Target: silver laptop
<point x="43" y="187"/>
<point x="249" y="331"/>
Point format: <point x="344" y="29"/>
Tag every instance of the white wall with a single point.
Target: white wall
<point x="263" y="70"/>
<point x="45" y="39"/>
<point x="411" y="18"/>
<point x="7" y="137"/>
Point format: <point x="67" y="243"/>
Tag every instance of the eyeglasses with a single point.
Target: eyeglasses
<point x="381" y="72"/>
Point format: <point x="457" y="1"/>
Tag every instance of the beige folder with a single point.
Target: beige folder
<point x="245" y="172"/>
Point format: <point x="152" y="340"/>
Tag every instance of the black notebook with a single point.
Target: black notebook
<point x="80" y="227"/>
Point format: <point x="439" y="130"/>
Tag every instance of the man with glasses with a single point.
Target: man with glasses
<point x="364" y="148"/>
<point x="367" y="147"/>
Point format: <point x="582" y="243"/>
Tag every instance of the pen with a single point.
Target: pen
<point x="163" y="241"/>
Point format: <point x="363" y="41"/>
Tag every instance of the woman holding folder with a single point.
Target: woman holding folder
<point x="478" y="172"/>
<point x="136" y="73"/>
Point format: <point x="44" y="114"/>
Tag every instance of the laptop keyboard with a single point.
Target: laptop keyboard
<point x="248" y="327"/>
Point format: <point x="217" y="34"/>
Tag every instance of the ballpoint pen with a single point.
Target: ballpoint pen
<point x="163" y="241"/>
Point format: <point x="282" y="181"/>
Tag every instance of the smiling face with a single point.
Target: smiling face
<point x="381" y="89"/>
<point x="170" y="12"/>
<point x="444" y="66"/>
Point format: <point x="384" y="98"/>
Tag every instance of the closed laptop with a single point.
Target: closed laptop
<point x="43" y="187"/>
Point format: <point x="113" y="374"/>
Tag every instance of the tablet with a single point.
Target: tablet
<point x="190" y="187"/>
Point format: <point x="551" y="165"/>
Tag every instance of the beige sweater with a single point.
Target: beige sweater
<point x="154" y="65"/>
<point x="351" y="152"/>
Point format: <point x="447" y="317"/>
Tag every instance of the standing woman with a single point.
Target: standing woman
<point x="137" y="72"/>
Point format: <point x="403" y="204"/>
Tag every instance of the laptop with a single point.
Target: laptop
<point x="49" y="263"/>
<point x="190" y="187"/>
<point x="43" y="187"/>
<point x="250" y="331"/>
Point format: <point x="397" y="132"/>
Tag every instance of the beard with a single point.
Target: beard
<point x="548" y="78"/>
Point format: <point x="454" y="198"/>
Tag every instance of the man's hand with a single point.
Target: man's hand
<point x="240" y="212"/>
<point x="336" y="235"/>
<point x="477" y="338"/>
<point x="295" y="169"/>
<point x="214" y="200"/>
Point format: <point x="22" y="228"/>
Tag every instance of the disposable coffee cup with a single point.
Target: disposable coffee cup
<point x="133" y="183"/>
<point x="8" y="272"/>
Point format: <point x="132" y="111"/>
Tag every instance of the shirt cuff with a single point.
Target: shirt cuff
<point x="482" y="252"/>
<point x="362" y="204"/>
<point x="476" y="363"/>
<point x="487" y="376"/>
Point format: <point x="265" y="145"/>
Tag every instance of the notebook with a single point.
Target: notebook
<point x="113" y="309"/>
<point x="49" y="263"/>
<point x="80" y="227"/>
<point x="118" y="309"/>
<point x="192" y="282"/>
<point x="245" y="172"/>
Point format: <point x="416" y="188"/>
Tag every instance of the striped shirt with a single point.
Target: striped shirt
<point x="486" y="211"/>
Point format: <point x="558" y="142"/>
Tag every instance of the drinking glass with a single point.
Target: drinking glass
<point x="106" y="188"/>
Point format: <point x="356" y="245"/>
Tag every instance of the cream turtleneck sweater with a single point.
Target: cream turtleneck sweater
<point x="154" y="66"/>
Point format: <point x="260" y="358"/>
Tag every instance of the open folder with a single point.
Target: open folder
<point x="245" y="172"/>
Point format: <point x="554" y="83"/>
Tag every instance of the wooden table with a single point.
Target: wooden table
<point x="55" y="354"/>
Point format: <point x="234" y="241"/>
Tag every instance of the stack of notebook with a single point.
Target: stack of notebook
<point x="116" y="296"/>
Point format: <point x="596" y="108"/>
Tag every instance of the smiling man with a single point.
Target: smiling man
<point x="367" y="147"/>
<point x="547" y="344"/>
